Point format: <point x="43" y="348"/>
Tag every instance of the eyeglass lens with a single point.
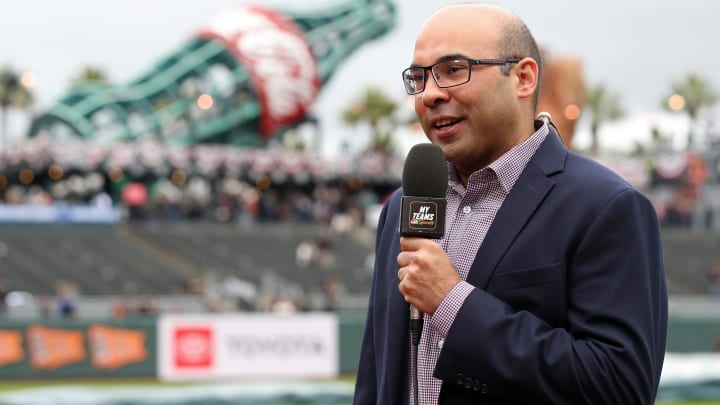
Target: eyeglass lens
<point x="446" y="74"/>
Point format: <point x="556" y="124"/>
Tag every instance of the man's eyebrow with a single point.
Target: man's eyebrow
<point x="444" y="58"/>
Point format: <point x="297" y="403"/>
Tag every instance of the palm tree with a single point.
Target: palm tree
<point x="696" y="92"/>
<point x="13" y="94"/>
<point x="375" y="108"/>
<point x="90" y="75"/>
<point x="603" y="107"/>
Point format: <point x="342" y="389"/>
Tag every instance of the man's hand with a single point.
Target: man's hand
<point x="426" y="273"/>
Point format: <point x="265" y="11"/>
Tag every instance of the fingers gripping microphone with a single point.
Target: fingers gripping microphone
<point x="424" y="182"/>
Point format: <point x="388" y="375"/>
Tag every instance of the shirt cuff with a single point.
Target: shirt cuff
<point x="444" y="315"/>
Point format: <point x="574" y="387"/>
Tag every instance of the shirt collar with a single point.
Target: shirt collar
<point x="510" y="165"/>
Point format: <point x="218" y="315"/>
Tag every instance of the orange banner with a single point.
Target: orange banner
<point x="11" y="350"/>
<point x="111" y="347"/>
<point x="51" y="348"/>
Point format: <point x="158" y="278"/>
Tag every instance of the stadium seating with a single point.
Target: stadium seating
<point x="156" y="259"/>
<point x="98" y="259"/>
<point x="165" y="259"/>
<point x="689" y="256"/>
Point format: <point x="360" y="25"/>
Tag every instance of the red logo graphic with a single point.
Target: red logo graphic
<point x="193" y="347"/>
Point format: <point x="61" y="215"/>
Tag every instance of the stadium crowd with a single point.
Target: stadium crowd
<point x="213" y="183"/>
<point x="236" y="185"/>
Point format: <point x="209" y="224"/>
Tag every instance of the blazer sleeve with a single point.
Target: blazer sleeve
<point x="611" y="348"/>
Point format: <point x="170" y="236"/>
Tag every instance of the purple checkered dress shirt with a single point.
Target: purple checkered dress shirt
<point x="470" y="211"/>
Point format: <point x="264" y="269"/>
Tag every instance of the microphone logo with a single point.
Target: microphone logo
<point x="422" y="215"/>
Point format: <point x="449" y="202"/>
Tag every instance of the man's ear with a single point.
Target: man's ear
<point x="526" y="72"/>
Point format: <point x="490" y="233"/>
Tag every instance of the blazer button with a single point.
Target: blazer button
<point x="468" y="382"/>
<point x="460" y="379"/>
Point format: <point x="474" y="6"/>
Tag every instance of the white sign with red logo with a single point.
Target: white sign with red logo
<point x="247" y="346"/>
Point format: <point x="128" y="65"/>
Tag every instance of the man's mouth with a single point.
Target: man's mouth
<point x="445" y="123"/>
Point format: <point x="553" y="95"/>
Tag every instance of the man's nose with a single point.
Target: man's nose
<point x="433" y="94"/>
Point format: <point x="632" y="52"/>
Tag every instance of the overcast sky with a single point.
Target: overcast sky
<point x="637" y="48"/>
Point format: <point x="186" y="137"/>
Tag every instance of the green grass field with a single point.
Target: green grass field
<point x="6" y="386"/>
<point x="27" y="384"/>
<point x="690" y="403"/>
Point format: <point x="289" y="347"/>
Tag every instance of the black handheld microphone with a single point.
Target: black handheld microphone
<point x="424" y="182"/>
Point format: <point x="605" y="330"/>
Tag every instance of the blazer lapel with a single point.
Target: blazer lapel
<point x="526" y="195"/>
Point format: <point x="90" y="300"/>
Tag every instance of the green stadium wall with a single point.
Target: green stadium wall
<point x="57" y="348"/>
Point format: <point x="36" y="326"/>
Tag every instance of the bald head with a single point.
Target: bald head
<point x="464" y="20"/>
<point x="499" y="31"/>
<point x="472" y="11"/>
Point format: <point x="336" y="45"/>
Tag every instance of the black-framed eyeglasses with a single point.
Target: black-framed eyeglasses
<point x="447" y="73"/>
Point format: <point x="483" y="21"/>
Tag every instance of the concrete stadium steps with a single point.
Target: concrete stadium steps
<point x="689" y="256"/>
<point x="164" y="258"/>
<point x="263" y="251"/>
<point x="20" y="269"/>
<point x="97" y="259"/>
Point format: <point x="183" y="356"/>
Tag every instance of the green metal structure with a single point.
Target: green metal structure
<point x="247" y="76"/>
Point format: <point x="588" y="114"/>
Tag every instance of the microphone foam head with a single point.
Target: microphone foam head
<point x="425" y="173"/>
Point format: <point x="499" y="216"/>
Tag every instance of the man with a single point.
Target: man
<point x="548" y="286"/>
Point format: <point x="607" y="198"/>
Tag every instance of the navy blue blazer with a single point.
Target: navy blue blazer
<point x="570" y="305"/>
